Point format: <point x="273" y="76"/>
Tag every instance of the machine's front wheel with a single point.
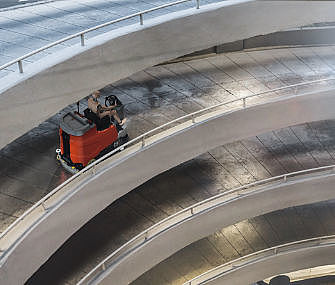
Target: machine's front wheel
<point x="58" y="152"/>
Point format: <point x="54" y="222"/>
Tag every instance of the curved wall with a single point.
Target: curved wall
<point x="67" y="76"/>
<point x="84" y="197"/>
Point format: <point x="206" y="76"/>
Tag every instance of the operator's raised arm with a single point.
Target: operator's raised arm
<point x="102" y="111"/>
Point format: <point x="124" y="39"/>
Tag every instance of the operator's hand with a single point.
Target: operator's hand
<point x="109" y="108"/>
<point x="99" y="109"/>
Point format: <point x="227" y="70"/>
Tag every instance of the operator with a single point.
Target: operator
<point x="100" y="111"/>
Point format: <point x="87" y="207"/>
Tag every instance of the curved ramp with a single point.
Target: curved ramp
<point x="35" y="95"/>
<point x="145" y="250"/>
<point x="241" y="239"/>
<point x="260" y="265"/>
<point x="137" y="164"/>
<point x="316" y="142"/>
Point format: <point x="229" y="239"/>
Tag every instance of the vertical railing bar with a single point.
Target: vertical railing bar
<point x="143" y="141"/>
<point x="20" y="66"/>
<point x="141" y="19"/>
<point x="244" y="102"/>
<point x="198" y="4"/>
<point x="82" y="39"/>
<point x="285" y="178"/>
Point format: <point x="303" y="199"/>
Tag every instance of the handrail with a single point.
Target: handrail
<point x="261" y="255"/>
<point x="42" y="203"/>
<point x="82" y="33"/>
<point x="189" y="212"/>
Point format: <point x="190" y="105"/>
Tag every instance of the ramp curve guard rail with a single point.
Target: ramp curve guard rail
<point x="81" y="34"/>
<point x="262" y="255"/>
<point x="192" y="211"/>
<point x="17" y="230"/>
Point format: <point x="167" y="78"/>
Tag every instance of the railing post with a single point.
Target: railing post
<point x="319" y="241"/>
<point x="82" y="39"/>
<point x="244" y="102"/>
<point x="198" y="4"/>
<point x="285" y="178"/>
<point x="103" y="266"/>
<point x="143" y="142"/>
<point x="20" y="66"/>
<point x="141" y="19"/>
<point x="43" y="206"/>
<point x="193" y="119"/>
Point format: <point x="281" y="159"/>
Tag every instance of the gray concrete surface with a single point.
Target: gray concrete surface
<point x="312" y="74"/>
<point x="28" y="27"/>
<point x="275" y="264"/>
<point x="244" y="238"/>
<point x="118" y="54"/>
<point x="233" y="75"/>
<point x="186" y="230"/>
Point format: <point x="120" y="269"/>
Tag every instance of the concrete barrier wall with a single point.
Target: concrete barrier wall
<point x="309" y="36"/>
<point x="71" y="74"/>
<point x="84" y="198"/>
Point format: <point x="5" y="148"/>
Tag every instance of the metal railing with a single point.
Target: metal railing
<point x="262" y="255"/>
<point x="14" y="233"/>
<point x="81" y="34"/>
<point x="19" y="60"/>
<point x="197" y="209"/>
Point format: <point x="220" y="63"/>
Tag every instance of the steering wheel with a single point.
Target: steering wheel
<point x="111" y="100"/>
